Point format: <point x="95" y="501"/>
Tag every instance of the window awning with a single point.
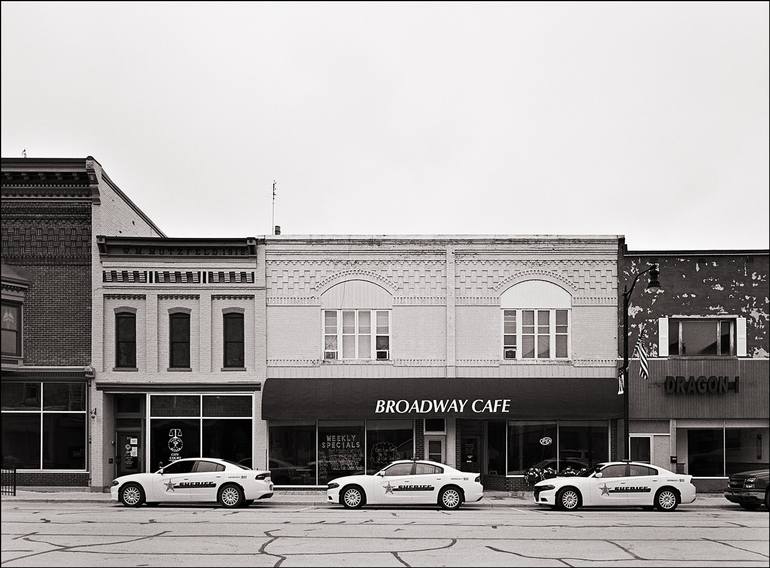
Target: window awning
<point x="514" y="399"/>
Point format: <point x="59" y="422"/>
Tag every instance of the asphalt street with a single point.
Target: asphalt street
<point x="492" y="533"/>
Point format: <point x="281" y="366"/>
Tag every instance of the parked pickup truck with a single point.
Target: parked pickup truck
<point x="749" y="489"/>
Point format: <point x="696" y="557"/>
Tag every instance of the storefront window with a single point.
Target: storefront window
<point x="496" y="447"/>
<point x="705" y="453"/>
<point x="227" y="439"/>
<point x="51" y="415"/>
<point x="340" y="449"/>
<point x="746" y="449"/>
<point x="531" y="445"/>
<point x="63" y="441"/>
<point x="387" y="441"/>
<point x="582" y="444"/>
<point x="178" y="429"/>
<point x="21" y="440"/>
<point x="293" y="454"/>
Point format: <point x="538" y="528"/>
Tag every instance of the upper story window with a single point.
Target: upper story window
<point x="233" y="340"/>
<point x="125" y="340"/>
<point x="536" y="321"/>
<point x="11" y="329"/>
<point x="179" y="340"/>
<point x="695" y="337"/>
<point x="356" y="334"/>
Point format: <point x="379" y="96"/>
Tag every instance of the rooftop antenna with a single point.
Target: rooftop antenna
<point x="272" y="224"/>
<point x="24" y="153"/>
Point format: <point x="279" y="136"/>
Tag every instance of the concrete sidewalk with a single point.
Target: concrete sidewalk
<point x="294" y="497"/>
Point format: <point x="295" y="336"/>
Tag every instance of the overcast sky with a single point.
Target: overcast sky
<point x="649" y="120"/>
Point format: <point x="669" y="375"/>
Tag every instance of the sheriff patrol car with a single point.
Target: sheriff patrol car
<point x="407" y="482"/>
<point x="194" y="480"/>
<point x="618" y="484"/>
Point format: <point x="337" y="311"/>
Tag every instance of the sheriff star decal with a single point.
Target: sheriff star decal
<point x="388" y="488"/>
<point x="169" y="486"/>
<point x="605" y="489"/>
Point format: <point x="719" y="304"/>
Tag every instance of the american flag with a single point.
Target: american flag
<point x="644" y="365"/>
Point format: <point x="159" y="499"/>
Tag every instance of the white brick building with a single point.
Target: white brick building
<point x="178" y="349"/>
<point x="360" y="329"/>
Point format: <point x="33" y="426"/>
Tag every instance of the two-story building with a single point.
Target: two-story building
<point x="178" y="352"/>
<point x="51" y="208"/>
<point x="495" y="354"/>
<point x="703" y="410"/>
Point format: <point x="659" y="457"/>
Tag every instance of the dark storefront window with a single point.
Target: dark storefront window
<point x="582" y="444"/>
<point x="705" y="452"/>
<point x="179" y="341"/>
<point x="49" y="414"/>
<point x="745" y="449"/>
<point x="340" y="449"/>
<point x="496" y="447"/>
<point x="531" y="445"/>
<point x="179" y="430"/>
<point x="227" y="439"/>
<point x="173" y="439"/>
<point x="63" y="441"/>
<point x="387" y="441"/>
<point x="233" y="340"/>
<point x="293" y="454"/>
<point x="125" y="340"/>
<point x="21" y="440"/>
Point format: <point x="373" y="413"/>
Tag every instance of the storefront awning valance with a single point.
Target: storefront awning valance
<point x="514" y="399"/>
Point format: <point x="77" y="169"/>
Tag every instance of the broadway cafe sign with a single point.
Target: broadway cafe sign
<point x="480" y="406"/>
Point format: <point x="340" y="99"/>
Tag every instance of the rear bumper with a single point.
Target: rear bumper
<point x="745" y="496"/>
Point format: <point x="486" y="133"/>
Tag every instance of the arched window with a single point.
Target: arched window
<point x="179" y="340"/>
<point x="536" y="321"/>
<point x="125" y="340"/>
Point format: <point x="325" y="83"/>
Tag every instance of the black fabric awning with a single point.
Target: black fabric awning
<point x="345" y="399"/>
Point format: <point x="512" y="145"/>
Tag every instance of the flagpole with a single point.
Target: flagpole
<point x="272" y="219"/>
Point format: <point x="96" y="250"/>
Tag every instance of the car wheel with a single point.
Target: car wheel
<point x="666" y="499"/>
<point x="352" y="497"/>
<point x="132" y="495"/>
<point x="231" y="496"/>
<point x="248" y="502"/>
<point x="750" y="506"/>
<point x="568" y="499"/>
<point x="450" y="498"/>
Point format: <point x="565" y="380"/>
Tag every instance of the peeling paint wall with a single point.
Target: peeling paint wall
<point x="696" y="284"/>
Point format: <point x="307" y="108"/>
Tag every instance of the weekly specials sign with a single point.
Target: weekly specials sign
<point x="443" y="406"/>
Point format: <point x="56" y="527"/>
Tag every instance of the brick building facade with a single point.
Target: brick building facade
<point x="50" y="209"/>
<point x="704" y="408"/>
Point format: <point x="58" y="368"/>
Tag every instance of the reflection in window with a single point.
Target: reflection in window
<point x="386" y="442"/>
<point x="530" y="445"/>
<point x="227" y="439"/>
<point x="399" y="469"/>
<point x="746" y="449"/>
<point x="173" y="439"/>
<point x="64" y="441"/>
<point x="293" y="454"/>
<point x="340" y="449"/>
<point x="583" y="444"/>
<point x="21" y="440"/>
<point x="11" y="329"/>
<point x="705" y="453"/>
<point x="179" y="339"/>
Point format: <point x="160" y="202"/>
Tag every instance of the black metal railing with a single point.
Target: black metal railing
<point x="8" y="481"/>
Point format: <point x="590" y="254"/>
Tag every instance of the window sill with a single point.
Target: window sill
<point x="125" y="369"/>
<point x="233" y="369"/>
<point x="535" y="361"/>
<point x="706" y="357"/>
<point x="179" y="369"/>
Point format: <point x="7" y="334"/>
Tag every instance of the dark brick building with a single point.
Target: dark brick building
<point x="51" y="208"/>
<point x="704" y="408"/>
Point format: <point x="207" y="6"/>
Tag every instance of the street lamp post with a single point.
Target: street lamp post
<point x="653" y="285"/>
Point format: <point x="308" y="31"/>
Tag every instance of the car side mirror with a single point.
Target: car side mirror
<point x="160" y="471"/>
<point x="381" y="473"/>
<point x="598" y="474"/>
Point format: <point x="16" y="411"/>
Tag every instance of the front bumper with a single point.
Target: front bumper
<point x="756" y="496"/>
<point x="545" y="496"/>
<point x="114" y="492"/>
<point x="333" y="495"/>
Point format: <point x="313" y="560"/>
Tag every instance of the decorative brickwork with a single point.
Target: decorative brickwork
<point x="58" y="479"/>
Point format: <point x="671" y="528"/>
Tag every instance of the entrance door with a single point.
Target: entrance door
<point x="128" y="452"/>
<point x="470" y="454"/>
<point x="435" y="449"/>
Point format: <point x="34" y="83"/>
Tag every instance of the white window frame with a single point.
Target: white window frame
<point x="373" y="335"/>
<point x="734" y="335"/>
<point x="551" y="334"/>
